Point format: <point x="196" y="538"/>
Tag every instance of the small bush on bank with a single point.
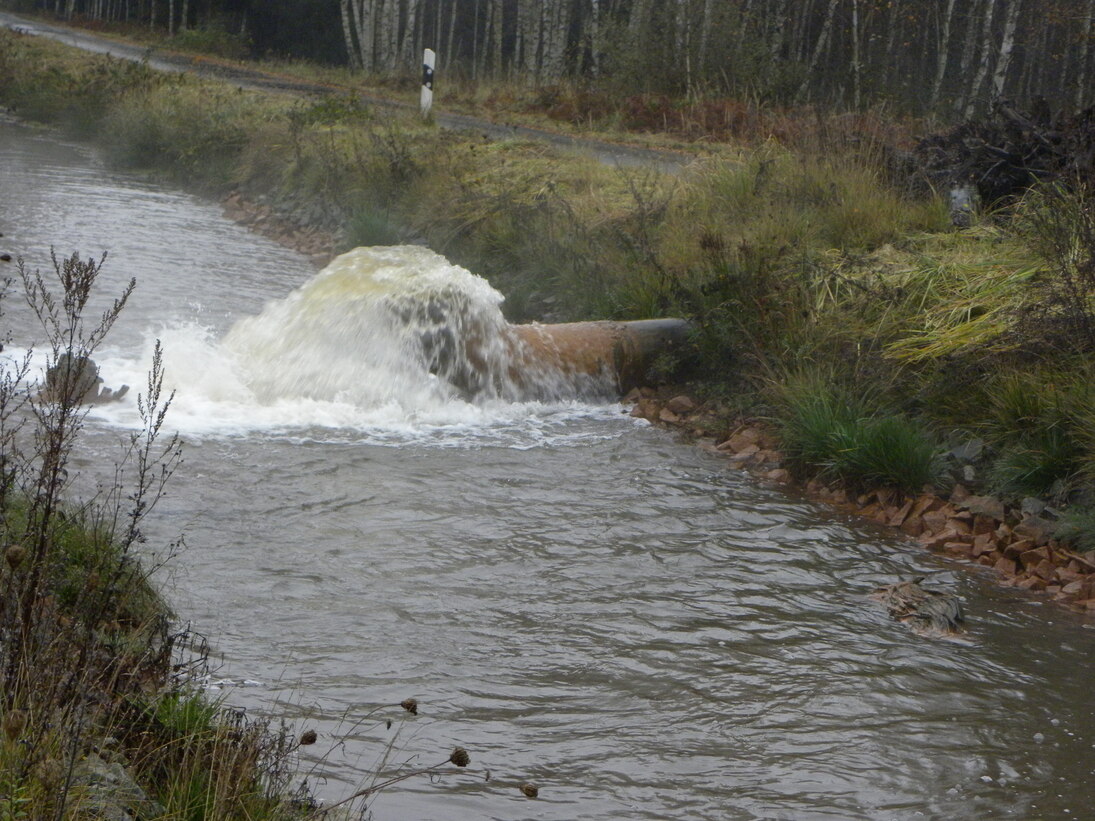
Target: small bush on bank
<point x="842" y="435"/>
<point x="1041" y="423"/>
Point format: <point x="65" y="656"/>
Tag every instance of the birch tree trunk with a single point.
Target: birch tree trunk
<point x="595" y="44"/>
<point x="819" y="48"/>
<point x="348" y="36"/>
<point x="1007" y="45"/>
<point x="856" y="67"/>
<point x="683" y="41"/>
<point x="409" y="45"/>
<point x="452" y="33"/>
<point x="944" y="53"/>
<point x="1085" y="49"/>
<point x="986" y="57"/>
<point x="705" y="33"/>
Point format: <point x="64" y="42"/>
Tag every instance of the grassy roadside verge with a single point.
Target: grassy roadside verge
<point x="825" y="295"/>
<point x="99" y="712"/>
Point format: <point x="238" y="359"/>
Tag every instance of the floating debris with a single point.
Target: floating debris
<point x="530" y="790"/>
<point x="308" y="737"/>
<point x="410" y="705"/>
<point x="927" y="612"/>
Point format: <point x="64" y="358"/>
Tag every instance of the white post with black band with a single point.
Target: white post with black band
<point x="428" y="61"/>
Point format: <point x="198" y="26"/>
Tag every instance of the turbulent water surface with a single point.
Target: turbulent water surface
<point x="574" y="597"/>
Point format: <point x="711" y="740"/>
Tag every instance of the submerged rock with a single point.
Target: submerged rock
<point x="927" y="612"/>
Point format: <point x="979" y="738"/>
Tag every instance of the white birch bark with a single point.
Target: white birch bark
<point x="986" y="58"/>
<point x="348" y="36"/>
<point x="1007" y="46"/>
<point x="944" y="52"/>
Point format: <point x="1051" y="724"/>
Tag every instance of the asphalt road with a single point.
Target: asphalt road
<point x="251" y="78"/>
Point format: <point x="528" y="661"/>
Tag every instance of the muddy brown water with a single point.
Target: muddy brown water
<point x="576" y="598"/>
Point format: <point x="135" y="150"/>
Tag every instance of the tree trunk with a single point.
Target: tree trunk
<point x="408" y="45"/>
<point x="185" y="14"/>
<point x="944" y="52"/>
<point x="1085" y="49"/>
<point x="348" y="36"/>
<point x="986" y="58"/>
<point x="1007" y="45"/>
<point x="856" y="67"/>
<point x="452" y="33"/>
<point x="819" y="48"/>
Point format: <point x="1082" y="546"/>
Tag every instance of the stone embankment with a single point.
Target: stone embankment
<point x="300" y="235"/>
<point x="1016" y="542"/>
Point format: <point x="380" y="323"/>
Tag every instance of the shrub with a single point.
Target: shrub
<point x="841" y="435"/>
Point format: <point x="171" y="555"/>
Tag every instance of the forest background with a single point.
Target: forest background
<point x="950" y="57"/>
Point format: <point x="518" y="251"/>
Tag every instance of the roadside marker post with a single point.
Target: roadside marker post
<point x="428" y="61"/>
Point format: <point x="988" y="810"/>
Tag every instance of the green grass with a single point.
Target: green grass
<point x="844" y="435"/>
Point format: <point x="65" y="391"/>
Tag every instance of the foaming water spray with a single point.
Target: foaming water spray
<point x="396" y="344"/>
<point x="402" y="324"/>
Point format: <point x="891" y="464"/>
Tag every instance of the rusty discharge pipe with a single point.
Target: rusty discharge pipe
<point x="621" y="350"/>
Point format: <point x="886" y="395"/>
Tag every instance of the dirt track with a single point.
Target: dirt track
<point x="254" y="79"/>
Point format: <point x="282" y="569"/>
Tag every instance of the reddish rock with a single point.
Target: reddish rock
<point x="913" y="526"/>
<point x="925" y="504"/>
<point x="989" y="559"/>
<point x="633" y="396"/>
<point x="742" y="439"/>
<point x="959" y="494"/>
<point x="901" y="514"/>
<point x="1073" y="588"/>
<point x="1003" y="532"/>
<point x="1017" y="549"/>
<point x="1006" y="566"/>
<point x="1046" y="569"/>
<point x="869" y="511"/>
<point x="779" y="475"/>
<point x="1031" y="558"/>
<point x="984" y="524"/>
<point x="667" y="416"/>
<point x="935" y="521"/>
<point x="983" y="543"/>
<point x="746" y="453"/>
<point x="681" y="405"/>
<point x="960" y="525"/>
<point x="958" y="549"/>
<point x="1032" y="583"/>
<point x="938" y="540"/>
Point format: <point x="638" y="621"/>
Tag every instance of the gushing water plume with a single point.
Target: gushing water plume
<point x="395" y="324"/>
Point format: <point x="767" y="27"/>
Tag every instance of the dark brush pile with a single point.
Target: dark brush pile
<point x="1004" y="155"/>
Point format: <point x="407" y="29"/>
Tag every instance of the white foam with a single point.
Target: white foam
<point x="343" y="358"/>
